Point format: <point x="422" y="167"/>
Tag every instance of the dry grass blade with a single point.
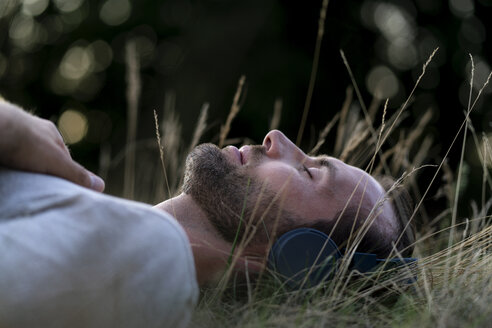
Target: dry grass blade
<point x="363" y="144"/>
<point x="373" y="108"/>
<point x="171" y="128"/>
<point x="359" y="139"/>
<point x="449" y="148"/>
<point x="405" y="104"/>
<point x="161" y="152"/>
<point x="314" y="70"/>
<point x="236" y="106"/>
<point x="324" y="134"/>
<point x="359" y="95"/>
<point x="378" y="140"/>
<point x="383" y="122"/>
<point x="277" y="114"/>
<point x="342" y="128"/>
<point x="460" y="166"/>
<point x="482" y="150"/>
<point x="132" y="97"/>
<point x="367" y="116"/>
<point x="104" y="160"/>
<point x="201" y="125"/>
<point x="400" y="158"/>
<point x="487" y="150"/>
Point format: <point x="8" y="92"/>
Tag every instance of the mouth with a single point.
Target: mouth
<point x="244" y="151"/>
<point x="246" y="155"/>
<point x="234" y="155"/>
<point x="252" y="154"/>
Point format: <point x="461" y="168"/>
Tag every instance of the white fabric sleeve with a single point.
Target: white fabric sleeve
<point x="71" y="257"/>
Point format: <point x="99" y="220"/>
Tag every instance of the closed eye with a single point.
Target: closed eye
<point x="307" y="170"/>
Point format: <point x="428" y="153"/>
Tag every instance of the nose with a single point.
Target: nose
<point x="277" y="145"/>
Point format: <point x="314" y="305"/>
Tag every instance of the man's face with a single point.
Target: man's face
<point x="309" y="188"/>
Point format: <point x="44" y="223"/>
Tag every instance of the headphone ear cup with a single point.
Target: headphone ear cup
<point x="304" y="257"/>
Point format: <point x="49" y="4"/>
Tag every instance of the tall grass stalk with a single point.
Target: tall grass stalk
<point x="132" y="96"/>
<point x="460" y="166"/>
<point x="236" y="106"/>
<point x="161" y="154"/>
<point x="277" y="114"/>
<point x="314" y="70"/>
<point x="201" y="125"/>
<point x="341" y="136"/>
<point x="359" y="95"/>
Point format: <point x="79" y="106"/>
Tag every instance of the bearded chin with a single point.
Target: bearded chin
<point x="218" y="187"/>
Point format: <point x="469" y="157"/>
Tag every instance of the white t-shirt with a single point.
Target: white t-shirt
<point x="71" y="257"/>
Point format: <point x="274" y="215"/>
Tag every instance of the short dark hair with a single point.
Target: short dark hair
<point x="402" y="204"/>
<point x="347" y="222"/>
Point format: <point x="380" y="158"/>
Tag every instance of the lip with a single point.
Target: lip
<point x="234" y="155"/>
<point x="244" y="151"/>
<point x="239" y="155"/>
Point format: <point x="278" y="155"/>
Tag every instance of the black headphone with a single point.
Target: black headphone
<point x="307" y="257"/>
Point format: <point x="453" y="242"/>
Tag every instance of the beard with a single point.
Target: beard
<point x="231" y="198"/>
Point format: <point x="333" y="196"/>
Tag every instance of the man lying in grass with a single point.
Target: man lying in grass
<point x="74" y="257"/>
<point x="266" y="190"/>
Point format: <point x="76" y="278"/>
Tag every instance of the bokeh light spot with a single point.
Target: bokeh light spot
<point x="25" y="32"/>
<point x="77" y="63"/>
<point x="367" y="13"/>
<point x="7" y="7"/>
<point x="482" y="71"/>
<point x="382" y="82"/>
<point x="34" y="7"/>
<point x="394" y="23"/>
<point x="473" y="30"/>
<point x="22" y="27"/>
<point x="402" y="57"/>
<point x="68" y="6"/>
<point x="462" y="8"/>
<point x="73" y="126"/>
<point x="115" y="12"/>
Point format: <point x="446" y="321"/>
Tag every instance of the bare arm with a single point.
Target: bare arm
<point x="33" y="144"/>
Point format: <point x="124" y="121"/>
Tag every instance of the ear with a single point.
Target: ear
<point x="249" y="265"/>
<point x="249" y="262"/>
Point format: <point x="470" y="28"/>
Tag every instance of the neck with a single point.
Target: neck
<point x="210" y="251"/>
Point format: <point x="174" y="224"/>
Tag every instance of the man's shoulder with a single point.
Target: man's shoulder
<point x="36" y="196"/>
<point x="110" y="247"/>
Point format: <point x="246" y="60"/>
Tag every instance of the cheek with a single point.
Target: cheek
<point x="293" y="191"/>
<point x="278" y="179"/>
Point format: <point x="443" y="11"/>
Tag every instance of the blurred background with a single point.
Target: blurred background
<point x="70" y="61"/>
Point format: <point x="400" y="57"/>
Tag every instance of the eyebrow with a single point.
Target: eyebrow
<point x="325" y="162"/>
